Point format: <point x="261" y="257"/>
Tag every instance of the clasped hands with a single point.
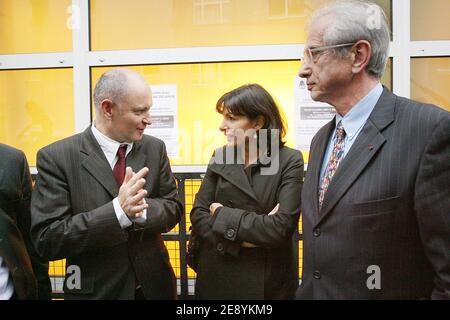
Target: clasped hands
<point x="132" y="194"/>
<point x="213" y="207"/>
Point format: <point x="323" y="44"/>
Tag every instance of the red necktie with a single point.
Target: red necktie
<point x="119" y="167"/>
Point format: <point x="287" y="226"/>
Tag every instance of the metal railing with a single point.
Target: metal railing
<point x="185" y="283"/>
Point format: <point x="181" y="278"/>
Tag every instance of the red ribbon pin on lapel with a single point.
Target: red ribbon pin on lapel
<point x="370" y="147"/>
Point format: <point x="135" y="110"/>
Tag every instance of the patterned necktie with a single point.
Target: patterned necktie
<point x="119" y="167"/>
<point x="336" y="156"/>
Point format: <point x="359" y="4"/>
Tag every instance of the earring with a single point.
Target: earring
<point x="255" y="136"/>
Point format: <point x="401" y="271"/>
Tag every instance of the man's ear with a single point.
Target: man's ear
<point x="361" y="54"/>
<point x="106" y="107"/>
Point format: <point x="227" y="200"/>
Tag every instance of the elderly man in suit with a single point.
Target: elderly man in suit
<point x="104" y="196"/>
<point x="376" y="196"/>
<point x="23" y="275"/>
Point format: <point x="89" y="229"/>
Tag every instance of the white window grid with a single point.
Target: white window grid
<point x="287" y="13"/>
<point x="204" y="8"/>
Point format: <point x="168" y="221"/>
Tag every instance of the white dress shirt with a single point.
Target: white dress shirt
<point x="353" y="122"/>
<point x="109" y="148"/>
<point x="6" y="284"/>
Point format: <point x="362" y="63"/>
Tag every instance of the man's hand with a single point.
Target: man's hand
<point x="140" y="214"/>
<point x="131" y="193"/>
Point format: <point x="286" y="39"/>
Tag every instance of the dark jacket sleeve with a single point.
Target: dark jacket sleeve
<point x="56" y="231"/>
<point x="40" y="266"/>
<point x="165" y="210"/>
<point x="200" y="216"/>
<point x="432" y="206"/>
<point x="201" y="219"/>
<point x="239" y="225"/>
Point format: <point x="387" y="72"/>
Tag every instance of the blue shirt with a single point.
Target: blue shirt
<point x="353" y="122"/>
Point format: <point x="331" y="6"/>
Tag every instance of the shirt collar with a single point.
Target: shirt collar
<point x="358" y="115"/>
<point x="108" y="145"/>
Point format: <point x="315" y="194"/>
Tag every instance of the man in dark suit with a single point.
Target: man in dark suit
<point x="376" y="196"/>
<point x="104" y="219"/>
<point x="23" y="275"/>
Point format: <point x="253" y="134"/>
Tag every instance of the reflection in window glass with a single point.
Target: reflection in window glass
<point x="31" y="26"/>
<point x="193" y="23"/>
<point x="430" y="80"/>
<point x="429" y="20"/>
<point x="36" y="108"/>
<point x="200" y="85"/>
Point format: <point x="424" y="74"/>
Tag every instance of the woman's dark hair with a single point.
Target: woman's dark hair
<point x="252" y="100"/>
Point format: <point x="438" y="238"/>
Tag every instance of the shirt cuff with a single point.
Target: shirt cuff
<point x="142" y="219"/>
<point x="124" y="221"/>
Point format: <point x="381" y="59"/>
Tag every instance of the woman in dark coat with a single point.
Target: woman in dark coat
<point x="248" y="205"/>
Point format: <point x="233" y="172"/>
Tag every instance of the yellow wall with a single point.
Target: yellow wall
<point x="200" y="86"/>
<point x="31" y="26"/>
<point x="430" y="81"/>
<point x="125" y="24"/>
<point x="36" y="108"/>
<point x="188" y="23"/>
<point x="429" y="20"/>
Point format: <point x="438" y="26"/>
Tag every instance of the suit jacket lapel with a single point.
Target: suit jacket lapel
<point x="136" y="159"/>
<point x="96" y="164"/>
<point x="366" y="146"/>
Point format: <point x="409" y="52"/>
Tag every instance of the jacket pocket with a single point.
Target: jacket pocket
<point x="375" y="207"/>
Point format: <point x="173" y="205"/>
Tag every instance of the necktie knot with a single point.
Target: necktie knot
<point x="122" y="151"/>
<point x="340" y="132"/>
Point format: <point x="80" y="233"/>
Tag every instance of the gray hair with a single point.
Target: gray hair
<point x="112" y="85"/>
<point x="356" y="20"/>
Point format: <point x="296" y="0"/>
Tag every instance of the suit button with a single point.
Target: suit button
<point x="316" y="232"/>
<point x="230" y="233"/>
<point x="219" y="247"/>
<point x="317" y="275"/>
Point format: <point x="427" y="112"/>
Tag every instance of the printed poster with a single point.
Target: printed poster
<point x="309" y="115"/>
<point x="164" y="116"/>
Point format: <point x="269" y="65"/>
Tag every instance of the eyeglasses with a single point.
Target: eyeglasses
<point x="312" y="54"/>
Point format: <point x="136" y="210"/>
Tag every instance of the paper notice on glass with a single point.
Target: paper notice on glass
<point x="309" y="115"/>
<point x="164" y="115"/>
